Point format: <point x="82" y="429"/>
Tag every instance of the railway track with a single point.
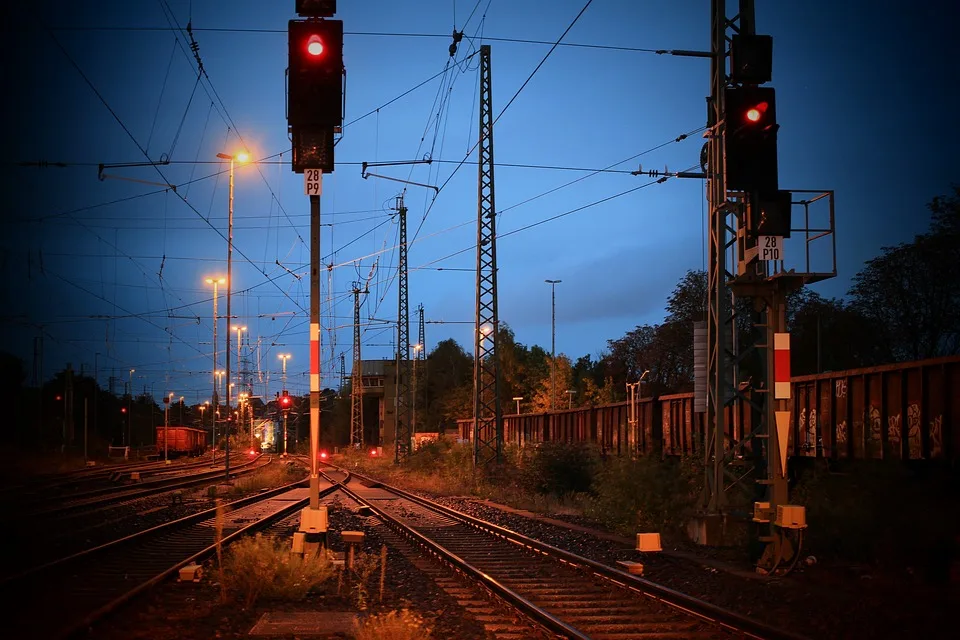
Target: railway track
<point x="26" y="488"/>
<point x="85" y="587"/>
<point x="60" y="507"/>
<point x="566" y="594"/>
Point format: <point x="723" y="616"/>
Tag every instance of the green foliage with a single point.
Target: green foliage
<point x="879" y="512"/>
<point x="393" y="625"/>
<point x="257" y="567"/>
<point x="559" y="469"/>
<point x="645" y="493"/>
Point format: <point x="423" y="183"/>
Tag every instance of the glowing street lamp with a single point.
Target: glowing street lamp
<point x="239" y="157"/>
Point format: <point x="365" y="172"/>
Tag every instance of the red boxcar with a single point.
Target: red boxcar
<point x="183" y="441"/>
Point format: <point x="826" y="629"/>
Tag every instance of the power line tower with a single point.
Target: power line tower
<point x="745" y="199"/>
<point x="356" y="387"/>
<point x="403" y="342"/>
<point x="487" y="416"/>
<point x="343" y="372"/>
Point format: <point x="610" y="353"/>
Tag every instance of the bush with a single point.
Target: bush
<point x="880" y="512"/>
<point x="395" y="625"/>
<point x="261" y="566"/>
<point x="557" y="468"/>
<point x="645" y="493"/>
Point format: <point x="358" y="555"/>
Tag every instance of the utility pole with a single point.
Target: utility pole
<point x="487" y="415"/>
<point x="553" y="342"/>
<point x="356" y="387"/>
<point x="343" y="372"/>
<point x="403" y="343"/>
<point x="215" y="397"/>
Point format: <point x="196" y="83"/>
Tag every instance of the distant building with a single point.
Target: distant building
<point x="380" y="403"/>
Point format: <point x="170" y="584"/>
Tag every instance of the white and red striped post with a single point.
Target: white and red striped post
<point x="781" y="391"/>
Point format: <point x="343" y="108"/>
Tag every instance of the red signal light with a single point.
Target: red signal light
<point x="756" y="112"/>
<point x="323" y="454"/>
<point x="373" y="452"/>
<point x="123" y="409"/>
<point x="314" y="45"/>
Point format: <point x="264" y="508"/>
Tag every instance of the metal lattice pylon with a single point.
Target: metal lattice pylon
<point x="403" y="343"/>
<point x="356" y="386"/>
<point x="487" y="416"/>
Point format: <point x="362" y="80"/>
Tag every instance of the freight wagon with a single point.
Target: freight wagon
<point x="907" y="411"/>
<point x="183" y="441"/>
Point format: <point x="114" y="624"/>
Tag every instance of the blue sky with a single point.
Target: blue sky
<point x="864" y="90"/>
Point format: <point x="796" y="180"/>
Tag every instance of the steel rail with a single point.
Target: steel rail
<point x="695" y="606"/>
<point x="116" y="494"/>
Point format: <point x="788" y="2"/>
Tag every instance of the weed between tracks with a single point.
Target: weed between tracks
<point x="257" y="566"/>
<point x="270" y="476"/>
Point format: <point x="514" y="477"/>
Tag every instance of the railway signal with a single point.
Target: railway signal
<point x="315" y="91"/>
<point x="751" y="139"/>
<point x="285" y="401"/>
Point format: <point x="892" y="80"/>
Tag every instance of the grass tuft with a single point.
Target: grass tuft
<point x="257" y="566"/>
<point x="394" y="625"/>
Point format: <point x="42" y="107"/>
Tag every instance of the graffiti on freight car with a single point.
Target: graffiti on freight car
<point x="936" y="442"/>
<point x="875" y="431"/>
<point x="842" y="437"/>
<point x="893" y="432"/>
<point x="914" y="439"/>
<point x="841" y="389"/>
<point x="812" y="432"/>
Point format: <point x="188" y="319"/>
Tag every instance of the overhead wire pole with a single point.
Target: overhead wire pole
<point x="356" y="385"/>
<point x="403" y="342"/>
<point x="487" y="415"/>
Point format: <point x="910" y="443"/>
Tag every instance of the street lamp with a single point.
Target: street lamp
<point x="517" y="399"/>
<point x="239" y="157"/>
<point x="570" y="395"/>
<point x="216" y="282"/>
<point x="413" y="418"/>
<point x="166" y="424"/>
<point x="553" y="342"/>
<point x="284" y="357"/>
<point x="129" y="400"/>
<point x="181" y="411"/>
<point x="632" y="388"/>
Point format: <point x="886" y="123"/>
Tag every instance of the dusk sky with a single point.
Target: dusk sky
<point x="866" y="97"/>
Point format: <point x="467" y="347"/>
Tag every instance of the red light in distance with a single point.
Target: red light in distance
<point x="314" y="45"/>
<point x="323" y="454"/>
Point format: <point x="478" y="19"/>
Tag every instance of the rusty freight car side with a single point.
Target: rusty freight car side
<point x="906" y="411"/>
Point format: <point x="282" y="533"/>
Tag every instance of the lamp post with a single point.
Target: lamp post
<point x="632" y="388"/>
<point x="517" y="399"/>
<point x="242" y="157"/>
<point x="166" y="424"/>
<point x="553" y="342"/>
<point x="202" y="408"/>
<point x="284" y="357"/>
<point x="570" y="395"/>
<point x="129" y="401"/>
<point x="181" y="411"/>
<point x="216" y="282"/>
<point x="240" y="413"/>
<point x="413" y="417"/>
